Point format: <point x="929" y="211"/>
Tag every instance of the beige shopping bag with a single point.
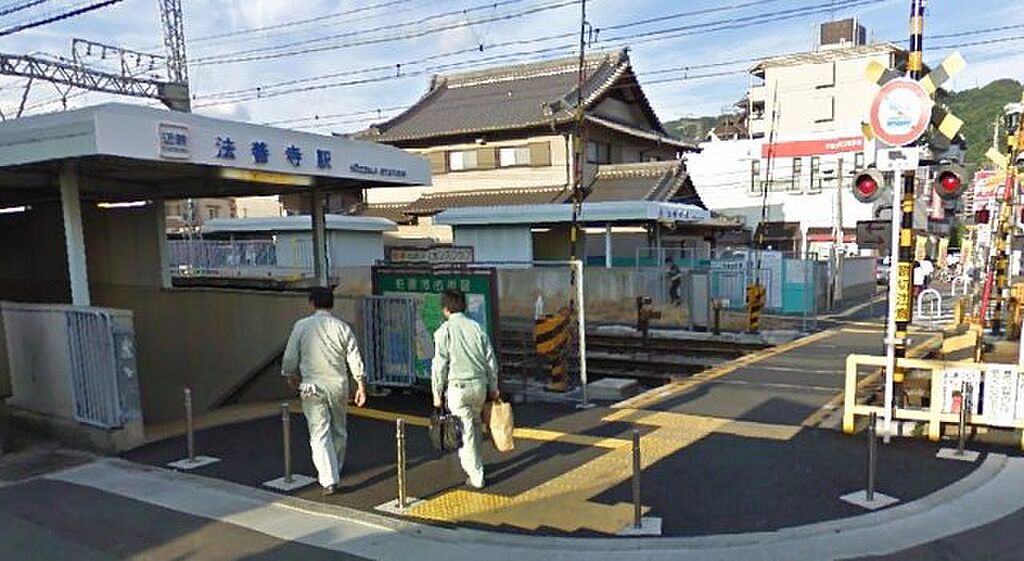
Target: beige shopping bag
<point x="498" y="418"/>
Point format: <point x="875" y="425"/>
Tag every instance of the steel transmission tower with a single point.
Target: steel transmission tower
<point x="172" y="90"/>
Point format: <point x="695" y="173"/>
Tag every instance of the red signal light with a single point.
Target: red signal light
<point x="981" y="216"/>
<point x="949" y="181"/>
<point x="867" y="185"/>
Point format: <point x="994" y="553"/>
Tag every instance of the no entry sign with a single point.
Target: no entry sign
<point x="900" y="112"/>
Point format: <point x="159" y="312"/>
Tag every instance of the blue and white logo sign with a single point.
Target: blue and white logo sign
<point x="175" y="142"/>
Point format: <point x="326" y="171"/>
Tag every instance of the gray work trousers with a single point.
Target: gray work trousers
<point x="328" y="435"/>
<point x="466" y="401"/>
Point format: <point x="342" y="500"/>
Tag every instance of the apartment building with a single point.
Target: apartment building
<point x="805" y="137"/>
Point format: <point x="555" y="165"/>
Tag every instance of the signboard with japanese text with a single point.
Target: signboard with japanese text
<point x="435" y="255"/>
<point x="1000" y="394"/>
<point x="904" y="296"/>
<point x="425" y="285"/>
<point x="953" y="382"/>
<point x="174" y="140"/>
<point x="898" y="159"/>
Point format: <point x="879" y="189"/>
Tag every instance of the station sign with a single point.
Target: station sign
<point x="901" y="112"/>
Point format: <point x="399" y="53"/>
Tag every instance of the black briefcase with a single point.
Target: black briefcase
<point x="445" y="431"/>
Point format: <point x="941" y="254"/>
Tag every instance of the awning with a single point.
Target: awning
<point x="594" y="213"/>
<point x="130" y="152"/>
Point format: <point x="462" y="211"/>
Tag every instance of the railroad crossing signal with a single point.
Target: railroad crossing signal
<point x="949" y="181"/>
<point x="947" y="124"/>
<point x="867" y="185"/>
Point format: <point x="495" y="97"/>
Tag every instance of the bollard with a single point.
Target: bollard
<point x="716" y="306"/>
<point x="286" y="433"/>
<point x="869" y="493"/>
<point x="190" y="437"/>
<point x="400" y="443"/>
<point x="965" y="389"/>
<point x="637" y="521"/>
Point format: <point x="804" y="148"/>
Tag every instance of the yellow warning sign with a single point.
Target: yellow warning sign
<point x="904" y="296"/>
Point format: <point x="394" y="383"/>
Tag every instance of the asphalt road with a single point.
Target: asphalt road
<point x="50" y="520"/>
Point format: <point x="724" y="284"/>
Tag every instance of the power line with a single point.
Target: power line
<point x="387" y="39"/>
<point x="390" y="28"/>
<point x="58" y="17"/>
<point x="625" y="40"/>
<point x="399" y="66"/>
<point x="319" y="20"/>
<point x="13" y="8"/>
<point x="642" y="83"/>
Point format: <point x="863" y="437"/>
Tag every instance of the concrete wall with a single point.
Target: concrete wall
<point x="497" y="243"/>
<point x="858" y="277"/>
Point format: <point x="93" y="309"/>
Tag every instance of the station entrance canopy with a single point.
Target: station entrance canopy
<point x="117" y="152"/>
<point x="127" y="152"/>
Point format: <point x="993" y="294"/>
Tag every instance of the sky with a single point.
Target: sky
<point x="363" y="61"/>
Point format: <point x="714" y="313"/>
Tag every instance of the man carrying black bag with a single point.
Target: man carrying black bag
<point x="465" y="371"/>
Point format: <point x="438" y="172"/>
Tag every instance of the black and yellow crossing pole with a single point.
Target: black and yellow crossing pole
<point x="994" y="287"/>
<point x="905" y="265"/>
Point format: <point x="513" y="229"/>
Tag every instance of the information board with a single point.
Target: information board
<point x="425" y="285"/>
<point x="1000" y="394"/>
<point x="953" y="381"/>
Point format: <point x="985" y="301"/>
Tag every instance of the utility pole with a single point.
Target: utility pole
<point x="580" y="144"/>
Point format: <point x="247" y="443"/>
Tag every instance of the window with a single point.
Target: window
<point x="514" y="156"/>
<point x="460" y="160"/>
<point x="798" y="168"/>
<point x="815" y="173"/>
<point x="213" y="212"/>
<point x="755" y="176"/>
<point x="599" y="153"/>
<point x="823" y="108"/>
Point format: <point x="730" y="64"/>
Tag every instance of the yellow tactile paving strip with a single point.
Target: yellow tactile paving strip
<point x="564" y="503"/>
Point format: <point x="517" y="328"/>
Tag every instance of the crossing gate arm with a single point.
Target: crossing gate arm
<point x="933" y="415"/>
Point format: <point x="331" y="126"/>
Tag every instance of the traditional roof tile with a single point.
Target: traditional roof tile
<point x="522" y="96"/>
<point x="432" y="203"/>
<point x="650" y="181"/>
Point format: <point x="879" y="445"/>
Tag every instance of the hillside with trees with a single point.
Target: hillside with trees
<point x="979" y="107"/>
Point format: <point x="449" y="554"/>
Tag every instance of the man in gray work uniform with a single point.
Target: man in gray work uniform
<point x="321" y="353"/>
<point x="465" y="369"/>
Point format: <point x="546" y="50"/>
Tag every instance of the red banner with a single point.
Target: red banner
<point x="801" y="148"/>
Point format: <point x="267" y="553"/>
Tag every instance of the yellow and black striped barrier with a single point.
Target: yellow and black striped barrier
<point x="755" y="305"/>
<point x="551" y="339"/>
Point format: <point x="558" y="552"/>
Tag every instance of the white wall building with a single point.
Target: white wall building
<point x="806" y="138"/>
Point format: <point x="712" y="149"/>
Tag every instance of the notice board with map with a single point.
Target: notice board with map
<point x="425" y="284"/>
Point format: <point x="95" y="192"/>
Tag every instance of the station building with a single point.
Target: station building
<point x="84" y="276"/>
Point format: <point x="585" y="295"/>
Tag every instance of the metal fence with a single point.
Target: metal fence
<point x="240" y="258"/>
<point x="389" y="340"/>
<point x="103" y="371"/>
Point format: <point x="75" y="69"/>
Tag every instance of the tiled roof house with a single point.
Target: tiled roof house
<point x="504" y="136"/>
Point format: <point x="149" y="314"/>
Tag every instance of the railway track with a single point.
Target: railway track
<point x="652" y="361"/>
